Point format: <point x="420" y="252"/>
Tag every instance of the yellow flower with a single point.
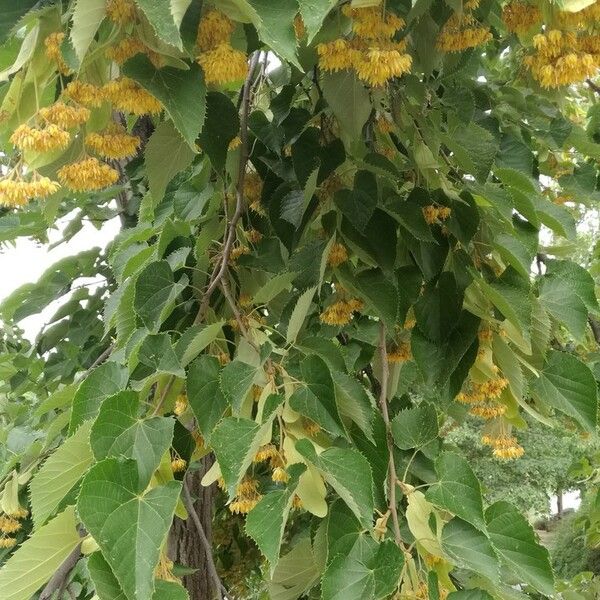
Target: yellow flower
<point x="337" y="255"/>
<point x="443" y="212"/>
<point x="125" y="49"/>
<point x="53" y="51"/>
<point x="178" y="465"/>
<point x="181" y="404"/>
<point x="337" y="55"/>
<point x="223" y="64"/>
<point x="370" y="23"/>
<point x="120" y="11"/>
<point x="214" y="29"/>
<point x="87" y="175"/>
<point x="64" y="115"/>
<point x="243" y="506"/>
<point x="310" y="427"/>
<point x="85" y="93"/>
<point x="430" y="213"/>
<point x="247" y="487"/>
<point x="254" y="237"/>
<point x="129" y="96"/>
<point x="280" y="475"/>
<point x="340" y="312"/>
<point x="113" y="143"/>
<point x="488" y="410"/>
<point x="520" y="17"/>
<point x="45" y="139"/>
<point x="401" y="353"/>
<point x="378" y="65"/>
<point x="7" y="542"/>
<point x="17" y="192"/>
<point x="265" y="453"/>
<point x="236" y="142"/>
<point x="461" y="32"/>
<point x="9" y="525"/>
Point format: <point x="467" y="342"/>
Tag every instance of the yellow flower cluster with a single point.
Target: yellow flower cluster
<point x="237" y="252"/>
<point x="181" y="404"/>
<point x="519" y="17"/>
<point x="267" y="453"/>
<point x="129" y="96"/>
<point x="223" y="64"/>
<point x="236" y="142"/>
<point x="247" y="497"/>
<point x="383" y="124"/>
<point x="64" y="115"/>
<point x="9" y="524"/>
<point x="310" y="427"/>
<point x="372" y="53"/>
<point x="40" y="139"/>
<point x="7" y="542"/>
<point x="253" y="236"/>
<point x="329" y="187"/>
<point x="178" y="465"/>
<point x="434" y="213"/>
<point x="87" y="175"/>
<point x="560" y="58"/>
<point x="120" y="11"/>
<point x="337" y="255"/>
<point x="16" y="192"/>
<point x="480" y="392"/>
<point x="280" y="475"/>
<point x="400" y="353"/>
<point x="580" y="19"/>
<point x="340" y="312"/>
<point x="126" y="48"/>
<point x="461" y="32"/>
<point x="219" y="60"/>
<point x="505" y="446"/>
<point x="252" y="192"/>
<point x="488" y="410"/>
<point x="84" y="93"/>
<point x="114" y="142"/>
<point x="214" y="29"/>
<point x="53" y="52"/>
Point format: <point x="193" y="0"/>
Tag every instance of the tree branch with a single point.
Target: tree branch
<point x="593" y="86"/>
<point x="59" y="579"/>
<point x="221" y="267"/>
<point x="212" y="569"/>
<point x="383" y="403"/>
<point x="595" y="326"/>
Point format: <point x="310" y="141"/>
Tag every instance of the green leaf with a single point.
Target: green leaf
<point x="107" y="587"/>
<point x="469" y="548"/>
<point x="353" y="402"/>
<point x="165" y="155"/>
<point x="457" y="490"/>
<point x="38" y="558"/>
<point x="317" y="399"/>
<point x="349" y="101"/>
<point x="299" y="314"/>
<point x="348" y="472"/>
<point x="162" y="20"/>
<point x="313" y="14"/>
<point x="473" y="594"/>
<point x="178" y="10"/>
<point x="204" y="393"/>
<point x="579" y="280"/>
<point x="154" y="356"/>
<point x="568" y="385"/>
<point x="265" y="523"/>
<point x="221" y="126"/>
<point x="274" y="286"/>
<point x="10" y="14"/>
<point x="195" y="339"/>
<point x="372" y="573"/>
<point x="296" y="572"/>
<point x="236" y="382"/>
<point x="155" y="294"/>
<point x="59" y="474"/>
<point x="102" y="382"/>
<point x="514" y="252"/>
<point x="415" y="427"/>
<point x="182" y="93"/>
<point x="129" y="523"/>
<point x="562" y="302"/>
<point x="357" y="206"/>
<point x="438" y="308"/>
<point x="235" y="442"/>
<point x="474" y="149"/>
<point x="87" y="16"/>
<point x="409" y="214"/>
<point x="275" y="27"/>
<point x="119" y="431"/>
<point x="511" y="296"/>
<point x="514" y="541"/>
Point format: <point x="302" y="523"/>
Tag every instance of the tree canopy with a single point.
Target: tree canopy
<point x="346" y="227"/>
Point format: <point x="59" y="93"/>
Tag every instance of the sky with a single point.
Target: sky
<point x="25" y="261"/>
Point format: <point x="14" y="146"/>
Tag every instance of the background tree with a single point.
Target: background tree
<point x="329" y="211"/>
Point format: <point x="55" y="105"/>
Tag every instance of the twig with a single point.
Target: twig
<point x="383" y="403"/>
<point x="593" y="86"/>
<point x="212" y="569"/>
<point x="98" y="361"/>
<point x="595" y="326"/>
<point x="236" y="313"/>
<point x="163" y="395"/>
<point x="59" y="579"/>
<point x="221" y="267"/>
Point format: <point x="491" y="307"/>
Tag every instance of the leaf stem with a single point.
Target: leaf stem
<point x="388" y="430"/>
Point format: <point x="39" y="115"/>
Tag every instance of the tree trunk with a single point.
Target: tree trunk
<point x="559" y="502"/>
<point x="185" y="547"/>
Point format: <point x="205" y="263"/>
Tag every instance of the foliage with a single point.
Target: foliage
<point x="330" y="214"/>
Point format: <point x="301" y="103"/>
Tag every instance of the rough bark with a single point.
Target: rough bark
<point x="184" y="546"/>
